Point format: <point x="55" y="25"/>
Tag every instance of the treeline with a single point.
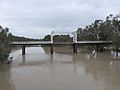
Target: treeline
<point x="18" y="38"/>
<point x="103" y="30"/>
<point x="99" y="30"/>
<point x="5" y="39"/>
<point x="58" y="38"/>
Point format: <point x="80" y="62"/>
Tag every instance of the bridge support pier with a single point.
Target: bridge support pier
<point x="74" y="48"/>
<point x="97" y="47"/>
<point x="51" y="48"/>
<point x="23" y="50"/>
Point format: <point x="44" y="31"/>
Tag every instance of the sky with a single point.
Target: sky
<point x="37" y="18"/>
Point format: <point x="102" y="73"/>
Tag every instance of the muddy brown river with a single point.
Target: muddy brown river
<point x="39" y="70"/>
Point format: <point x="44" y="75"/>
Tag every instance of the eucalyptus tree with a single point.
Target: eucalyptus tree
<point x="116" y="30"/>
<point x="4" y="43"/>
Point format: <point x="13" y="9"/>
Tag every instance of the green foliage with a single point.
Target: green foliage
<point x="58" y="38"/>
<point x="99" y="30"/>
<point x="62" y="38"/>
<point x="116" y="39"/>
<point x="46" y="38"/>
<point x="4" y="43"/>
<point x="4" y="52"/>
<point x="5" y="39"/>
<point x="18" y="38"/>
<point x="107" y="30"/>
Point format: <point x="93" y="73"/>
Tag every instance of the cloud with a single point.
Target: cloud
<point x="35" y="18"/>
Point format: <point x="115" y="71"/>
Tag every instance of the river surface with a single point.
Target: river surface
<point x="39" y="70"/>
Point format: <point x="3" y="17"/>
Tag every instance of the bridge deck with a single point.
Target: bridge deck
<point x="58" y="43"/>
<point x="94" y="42"/>
<point x="24" y="44"/>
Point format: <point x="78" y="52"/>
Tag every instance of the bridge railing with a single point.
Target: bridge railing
<point x="31" y="42"/>
<point x="94" y="41"/>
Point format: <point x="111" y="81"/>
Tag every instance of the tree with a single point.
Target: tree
<point x="46" y="38"/>
<point x="4" y="44"/>
<point x="105" y="30"/>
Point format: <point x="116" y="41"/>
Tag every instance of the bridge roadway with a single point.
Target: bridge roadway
<point x="58" y="43"/>
<point x="24" y="44"/>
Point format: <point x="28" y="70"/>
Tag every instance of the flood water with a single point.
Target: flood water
<point x="39" y="70"/>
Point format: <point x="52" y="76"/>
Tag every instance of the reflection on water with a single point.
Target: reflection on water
<point x="5" y="78"/>
<point x="39" y="70"/>
<point x="115" y="54"/>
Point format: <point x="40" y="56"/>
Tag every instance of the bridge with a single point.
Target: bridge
<point x="51" y="43"/>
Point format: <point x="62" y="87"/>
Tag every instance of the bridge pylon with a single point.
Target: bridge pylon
<point x="74" y="37"/>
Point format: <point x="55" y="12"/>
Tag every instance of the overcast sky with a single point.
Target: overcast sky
<point x="36" y="18"/>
